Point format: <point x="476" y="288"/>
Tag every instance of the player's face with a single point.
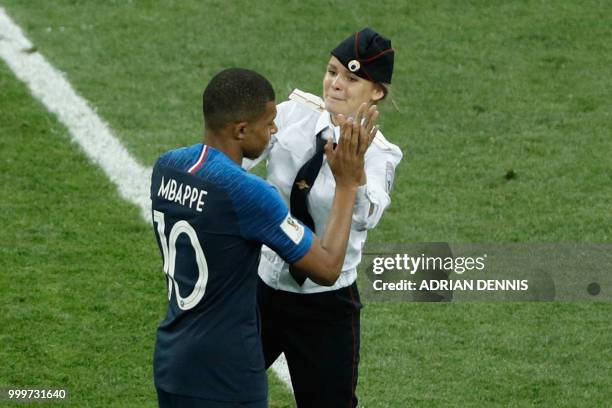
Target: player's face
<point x="344" y="92"/>
<point x="259" y="132"/>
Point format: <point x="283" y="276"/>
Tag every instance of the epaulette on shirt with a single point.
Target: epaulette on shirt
<point x="307" y="99"/>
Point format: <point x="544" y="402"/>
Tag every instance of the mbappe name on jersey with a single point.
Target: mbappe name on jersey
<point x="183" y="194"/>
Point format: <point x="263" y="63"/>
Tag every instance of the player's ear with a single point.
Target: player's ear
<point x="239" y="130"/>
<point x="378" y="93"/>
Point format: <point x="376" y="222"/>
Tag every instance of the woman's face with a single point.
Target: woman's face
<point x="344" y="92"/>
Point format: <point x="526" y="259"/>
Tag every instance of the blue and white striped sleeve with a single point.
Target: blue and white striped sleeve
<point x="264" y="217"/>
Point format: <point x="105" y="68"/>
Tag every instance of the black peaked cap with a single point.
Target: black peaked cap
<point x="368" y="55"/>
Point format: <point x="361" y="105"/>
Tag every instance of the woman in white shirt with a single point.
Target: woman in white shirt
<point x="317" y="327"/>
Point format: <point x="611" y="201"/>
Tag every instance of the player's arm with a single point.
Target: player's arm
<point x="323" y="262"/>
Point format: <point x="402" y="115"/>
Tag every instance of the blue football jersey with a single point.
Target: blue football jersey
<point x="210" y="219"/>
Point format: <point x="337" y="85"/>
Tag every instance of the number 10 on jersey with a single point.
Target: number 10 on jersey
<point x="169" y="254"/>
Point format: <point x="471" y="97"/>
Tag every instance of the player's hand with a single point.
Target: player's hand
<point x="356" y="135"/>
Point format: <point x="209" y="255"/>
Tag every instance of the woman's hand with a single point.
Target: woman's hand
<point x="370" y="118"/>
<point x="367" y="115"/>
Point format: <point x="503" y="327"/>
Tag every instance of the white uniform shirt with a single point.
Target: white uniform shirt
<point x="293" y="145"/>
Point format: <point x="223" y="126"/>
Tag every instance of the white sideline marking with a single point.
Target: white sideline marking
<point x="281" y="369"/>
<point x="86" y="128"/>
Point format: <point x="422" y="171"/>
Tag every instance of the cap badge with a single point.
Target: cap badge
<point x="354" y="65"/>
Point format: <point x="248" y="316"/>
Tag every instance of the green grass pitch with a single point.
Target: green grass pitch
<point x="480" y="88"/>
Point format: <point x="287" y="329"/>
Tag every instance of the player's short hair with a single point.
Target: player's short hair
<point x="235" y="95"/>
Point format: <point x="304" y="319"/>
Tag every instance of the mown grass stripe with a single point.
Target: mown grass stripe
<point x="86" y="128"/>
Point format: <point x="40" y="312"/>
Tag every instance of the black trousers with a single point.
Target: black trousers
<point x="169" y="400"/>
<point x="319" y="334"/>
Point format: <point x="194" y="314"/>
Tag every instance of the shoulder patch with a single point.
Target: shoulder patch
<point x="389" y="177"/>
<point x="304" y="98"/>
<point x="292" y="228"/>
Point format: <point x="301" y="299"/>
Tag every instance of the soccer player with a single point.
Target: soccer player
<point x="211" y="218"/>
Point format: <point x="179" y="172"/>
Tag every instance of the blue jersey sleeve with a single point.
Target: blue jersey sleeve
<point x="264" y="217"/>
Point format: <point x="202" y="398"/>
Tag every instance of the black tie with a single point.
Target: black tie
<point x="302" y="185"/>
